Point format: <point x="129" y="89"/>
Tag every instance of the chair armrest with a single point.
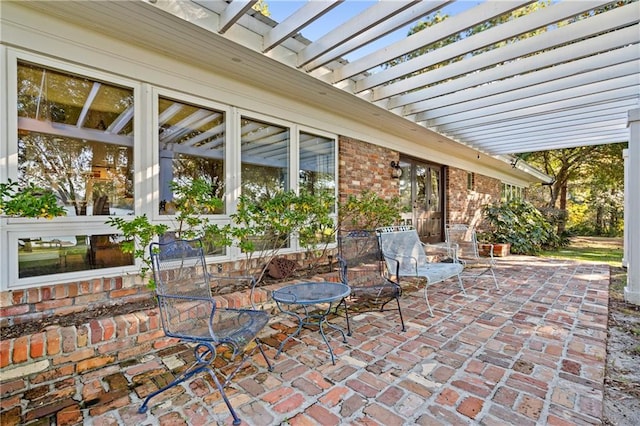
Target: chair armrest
<point x="388" y="262"/>
<point x="247" y="278"/>
<point x="449" y="249"/>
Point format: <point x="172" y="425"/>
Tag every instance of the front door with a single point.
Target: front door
<point x="422" y="201"/>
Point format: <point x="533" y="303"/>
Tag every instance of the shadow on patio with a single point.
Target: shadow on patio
<point x="532" y="352"/>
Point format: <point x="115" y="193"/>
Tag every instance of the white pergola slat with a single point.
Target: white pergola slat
<point x="394" y="22"/>
<point x="352" y="28"/>
<point x="295" y="22"/>
<point x="506" y="31"/>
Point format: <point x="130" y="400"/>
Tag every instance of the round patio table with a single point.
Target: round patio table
<point x="317" y="300"/>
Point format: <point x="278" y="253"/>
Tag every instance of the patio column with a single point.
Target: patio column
<point x="632" y="290"/>
<point x="627" y="191"/>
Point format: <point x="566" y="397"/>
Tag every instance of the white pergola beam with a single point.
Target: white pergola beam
<point x="591" y="112"/>
<point x="604" y="43"/>
<point x="531" y="22"/>
<point x="369" y="18"/>
<point x="454" y="25"/>
<point x="612" y="77"/>
<point x="302" y="17"/>
<point x="520" y="109"/>
<point x="619" y="17"/>
<point x="232" y="13"/>
<point x="608" y="65"/>
<point x="395" y="22"/>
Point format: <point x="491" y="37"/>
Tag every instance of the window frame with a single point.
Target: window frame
<point x="146" y="167"/>
<point x="15" y="228"/>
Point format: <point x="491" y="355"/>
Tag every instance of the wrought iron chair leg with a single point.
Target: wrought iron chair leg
<point x="264" y="355"/>
<point x="400" y="313"/>
<point x="236" y="419"/>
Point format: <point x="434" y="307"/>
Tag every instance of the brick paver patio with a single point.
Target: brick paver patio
<point x="530" y="353"/>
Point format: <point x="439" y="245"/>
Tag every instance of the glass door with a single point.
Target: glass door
<point x="422" y="202"/>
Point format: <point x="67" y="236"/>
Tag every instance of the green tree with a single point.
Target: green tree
<point x="591" y="175"/>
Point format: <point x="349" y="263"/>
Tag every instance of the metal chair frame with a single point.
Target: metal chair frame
<point x="463" y="239"/>
<point x="362" y="269"/>
<point x="405" y="253"/>
<point x="189" y="312"/>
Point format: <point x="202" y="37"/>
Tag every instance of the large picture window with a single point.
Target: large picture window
<point x="75" y="137"/>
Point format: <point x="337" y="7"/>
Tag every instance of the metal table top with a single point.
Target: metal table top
<point x="311" y="292"/>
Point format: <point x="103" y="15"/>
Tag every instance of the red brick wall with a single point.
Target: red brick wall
<point x="464" y="205"/>
<point x="20" y="306"/>
<point x="363" y="166"/>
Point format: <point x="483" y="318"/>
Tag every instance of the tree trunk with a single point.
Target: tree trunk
<point x="562" y="222"/>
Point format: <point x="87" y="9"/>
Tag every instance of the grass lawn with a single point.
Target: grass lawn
<point x="593" y="249"/>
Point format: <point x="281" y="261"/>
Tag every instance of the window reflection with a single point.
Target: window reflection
<point x="265" y="159"/>
<point x="317" y="164"/>
<point x="192" y="145"/>
<point x="75" y="137"/>
<point x="59" y="254"/>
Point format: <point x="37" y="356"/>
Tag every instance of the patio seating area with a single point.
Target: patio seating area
<point x="532" y="352"/>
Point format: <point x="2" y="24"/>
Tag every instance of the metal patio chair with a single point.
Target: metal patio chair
<point x="463" y="239"/>
<point x="362" y="269"/>
<point x="402" y="244"/>
<point x="188" y="312"/>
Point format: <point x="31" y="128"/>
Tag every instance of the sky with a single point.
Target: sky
<point x="281" y="9"/>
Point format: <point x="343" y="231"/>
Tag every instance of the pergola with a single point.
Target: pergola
<point x="573" y="81"/>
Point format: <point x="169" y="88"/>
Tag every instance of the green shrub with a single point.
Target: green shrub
<point x="519" y="223"/>
<point x="368" y="211"/>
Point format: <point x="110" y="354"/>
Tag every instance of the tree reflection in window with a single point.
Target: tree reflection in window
<point x="317" y="164"/>
<point x="265" y="159"/>
<point x="192" y="145"/>
<point x="75" y="136"/>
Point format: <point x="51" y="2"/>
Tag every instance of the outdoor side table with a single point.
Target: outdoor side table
<point x="310" y="296"/>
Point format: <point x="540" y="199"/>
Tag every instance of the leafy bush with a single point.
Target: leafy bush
<point x="263" y="227"/>
<point x="30" y="201"/>
<point x="519" y="223"/>
<point x="368" y="211"/>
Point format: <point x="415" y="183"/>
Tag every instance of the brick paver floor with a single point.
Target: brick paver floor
<point x="530" y="353"/>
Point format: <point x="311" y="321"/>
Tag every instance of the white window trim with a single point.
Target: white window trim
<point x="13" y="228"/>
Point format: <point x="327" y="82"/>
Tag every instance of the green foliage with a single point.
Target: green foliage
<point x="31" y="201"/>
<point x="319" y="228"/>
<point x="589" y="180"/>
<point x="368" y="211"/>
<point x="138" y="234"/>
<point x="263" y="226"/>
<point x="519" y="223"/>
<point x="192" y="201"/>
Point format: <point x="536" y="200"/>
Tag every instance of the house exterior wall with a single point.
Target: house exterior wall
<point x="464" y="205"/>
<point x="363" y="166"/>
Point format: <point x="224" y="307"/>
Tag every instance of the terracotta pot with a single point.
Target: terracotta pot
<point x="499" y="249"/>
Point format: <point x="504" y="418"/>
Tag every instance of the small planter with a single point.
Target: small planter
<point x="499" y="249"/>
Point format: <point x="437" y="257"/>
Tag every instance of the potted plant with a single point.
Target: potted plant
<point x="31" y="201"/>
